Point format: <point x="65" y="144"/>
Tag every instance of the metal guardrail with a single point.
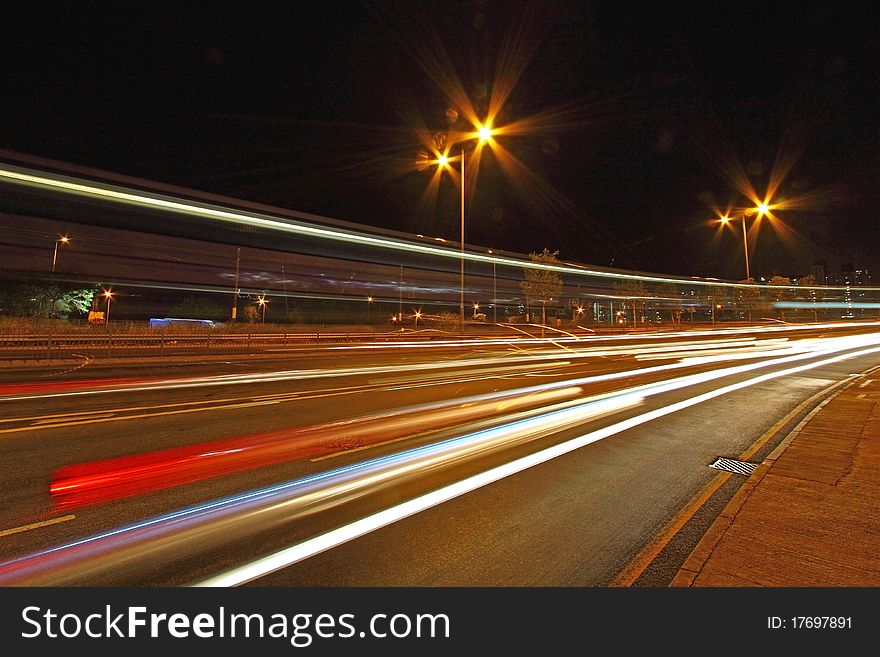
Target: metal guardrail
<point x="104" y="344"/>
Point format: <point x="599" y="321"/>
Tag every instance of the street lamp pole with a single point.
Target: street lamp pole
<point x="400" y="297"/>
<point x="235" y="285"/>
<point x="109" y="296"/>
<point x="494" y="296"/>
<point x="62" y="240"/>
<point x="461" y="278"/>
<point x="494" y="291"/>
<point x="726" y="219"/>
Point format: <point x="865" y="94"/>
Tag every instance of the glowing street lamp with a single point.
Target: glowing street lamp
<point x="108" y="294"/>
<point x="483" y="134"/>
<point x="63" y="239"/>
<point x="263" y="301"/>
<point x="761" y="209"/>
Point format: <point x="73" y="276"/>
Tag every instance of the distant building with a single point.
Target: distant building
<point x="819" y="272"/>
<point x="851" y="278"/>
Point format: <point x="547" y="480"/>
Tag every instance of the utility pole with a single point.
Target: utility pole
<point x="235" y="287"/>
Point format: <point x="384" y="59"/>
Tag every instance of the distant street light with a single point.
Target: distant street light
<point x="416" y="317"/>
<point x="262" y="301"/>
<point x="369" y="306"/>
<point x="109" y="296"/>
<point x="63" y="239"/>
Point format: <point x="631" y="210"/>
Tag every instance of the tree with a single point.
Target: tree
<point x="715" y="295"/>
<point x="780" y="292"/>
<point x="671" y="300"/>
<point x="747" y="297"/>
<point x="251" y="313"/>
<point x="633" y="292"/>
<point x="542" y="285"/>
<point x="46" y="300"/>
<point x="811" y="295"/>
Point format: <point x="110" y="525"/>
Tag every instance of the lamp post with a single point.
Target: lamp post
<point x="63" y="239"/>
<point x="235" y="285"/>
<point x="483" y="134"/>
<point x="726" y="219"/>
<point x="761" y="210"/>
<point x="443" y="162"/>
<point x="494" y="292"/>
<point x="109" y="296"/>
<point x="262" y="301"/>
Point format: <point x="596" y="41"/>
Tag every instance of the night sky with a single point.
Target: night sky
<point x="315" y="107"/>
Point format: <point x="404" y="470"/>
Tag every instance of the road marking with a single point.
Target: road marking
<point x="87" y="418"/>
<point x="866" y="382"/>
<point x="343" y="452"/>
<point x="94" y="417"/>
<point x="862" y="396"/>
<point x="36" y="525"/>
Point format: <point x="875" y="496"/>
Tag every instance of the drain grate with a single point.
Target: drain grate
<point x="737" y="467"/>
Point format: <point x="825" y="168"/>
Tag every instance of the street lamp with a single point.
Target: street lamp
<point x="483" y="134"/>
<point x="262" y="301"/>
<point x="761" y="209"/>
<point x="108" y="294"/>
<point x="63" y="239"/>
<point x="369" y="305"/>
<point x="494" y="292"/>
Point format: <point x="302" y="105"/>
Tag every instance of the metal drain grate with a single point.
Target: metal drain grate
<point x="737" y="467"/>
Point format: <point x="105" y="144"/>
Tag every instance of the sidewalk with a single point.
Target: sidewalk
<point x="809" y="515"/>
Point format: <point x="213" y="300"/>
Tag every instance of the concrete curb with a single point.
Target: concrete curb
<point x="700" y="555"/>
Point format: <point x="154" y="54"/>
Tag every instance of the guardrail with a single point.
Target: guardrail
<point x="109" y="343"/>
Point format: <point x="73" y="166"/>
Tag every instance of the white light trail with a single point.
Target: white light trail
<point x="116" y="194"/>
<point x="334" y="538"/>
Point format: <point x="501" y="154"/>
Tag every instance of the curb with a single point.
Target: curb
<point x="700" y="555"/>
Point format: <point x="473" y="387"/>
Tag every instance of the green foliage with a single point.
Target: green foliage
<point x="46" y="300"/>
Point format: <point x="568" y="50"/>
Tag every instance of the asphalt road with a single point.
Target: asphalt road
<point x="579" y="518"/>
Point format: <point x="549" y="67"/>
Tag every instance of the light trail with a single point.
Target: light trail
<point x="89" y="483"/>
<point x="187" y="531"/>
<point x="311" y="547"/>
<point x="121" y="195"/>
<point x="582" y="350"/>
